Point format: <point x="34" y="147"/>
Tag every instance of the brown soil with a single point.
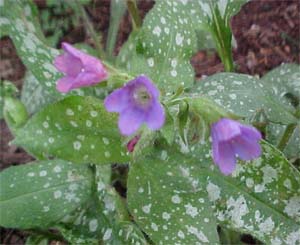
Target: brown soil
<point x="267" y="34"/>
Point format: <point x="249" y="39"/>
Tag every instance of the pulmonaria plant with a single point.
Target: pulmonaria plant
<point x="169" y="192"/>
<point x="79" y="68"/>
<point x="230" y="139"/>
<point x="137" y="103"/>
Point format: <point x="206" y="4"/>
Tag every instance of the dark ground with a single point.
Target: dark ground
<point x="267" y="34"/>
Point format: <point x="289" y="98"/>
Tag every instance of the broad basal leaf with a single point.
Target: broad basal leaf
<point x="261" y="198"/>
<point x="243" y="95"/>
<point x="78" y="129"/>
<point x="167" y="203"/>
<point x="41" y="193"/>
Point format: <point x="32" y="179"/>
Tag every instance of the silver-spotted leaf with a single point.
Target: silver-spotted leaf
<point x="39" y="194"/>
<point x="78" y="129"/>
<point x="243" y="95"/>
<point x="169" y="205"/>
<point x="261" y="197"/>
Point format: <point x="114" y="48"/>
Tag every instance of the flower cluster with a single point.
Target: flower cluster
<point x="137" y="103"/>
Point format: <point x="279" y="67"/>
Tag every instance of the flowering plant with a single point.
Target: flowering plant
<point x="197" y="155"/>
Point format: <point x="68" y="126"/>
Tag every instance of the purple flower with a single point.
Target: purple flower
<point x="80" y="69"/>
<point x="137" y="103"/>
<point x="231" y="138"/>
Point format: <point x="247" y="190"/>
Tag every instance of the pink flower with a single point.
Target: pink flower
<point x="131" y="144"/>
<point x="80" y="69"/>
<point x="230" y="139"/>
<point x="137" y="103"/>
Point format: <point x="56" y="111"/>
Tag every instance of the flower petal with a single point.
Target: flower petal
<point x="250" y="132"/>
<point x="155" y="117"/>
<point x="68" y="64"/>
<point x="224" y="157"/>
<point x="151" y="88"/>
<point x="130" y="120"/>
<point x="226" y="129"/>
<point x="118" y="100"/>
<point x="64" y="84"/>
<point x="85" y="79"/>
<point x="89" y="63"/>
<point x="246" y="148"/>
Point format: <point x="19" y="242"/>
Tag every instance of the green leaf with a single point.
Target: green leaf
<point x="284" y="79"/>
<point x="243" y="95"/>
<point x="78" y="129"/>
<point x="7" y="89"/>
<point x="103" y="218"/>
<point x="15" y="113"/>
<point x="167" y="203"/>
<point x="162" y="48"/>
<point x="162" y="51"/>
<point x="261" y="198"/>
<point x="38" y="57"/>
<point x="274" y="134"/>
<point x="37" y="240"/>
<point x="284" y="83"/>
<point x="117" y="11"/>
<point x="26" y="190"/>
<point x="33" y="96"/>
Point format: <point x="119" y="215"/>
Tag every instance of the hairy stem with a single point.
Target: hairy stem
<point x="286" y="136"/>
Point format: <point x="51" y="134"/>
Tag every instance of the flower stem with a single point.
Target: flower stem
<point x="286" y="136"/>
<point x="134" y="13"/>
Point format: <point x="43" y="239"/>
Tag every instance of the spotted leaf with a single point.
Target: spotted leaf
<point x="243" y="95"/>
<point x="283" y="80"/>
<point x="164" y="45"/>
<point x="261" y="197"/>
<point x="103" y="218"/>
<point x="170" y="206"/>
<point x="41" y="193"/>
<point x="38" y="57"/>
<point x="78" y="129"/>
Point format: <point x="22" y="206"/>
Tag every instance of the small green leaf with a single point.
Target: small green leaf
<point x="26" y="190"/>
<point x="167" y="203"/>
<point x="15" y="113"/>
<point x="7" y="89"/>
<point x="243" y="95"/>
<point x="78" y="129"/>
<point x="168" y="130"/>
